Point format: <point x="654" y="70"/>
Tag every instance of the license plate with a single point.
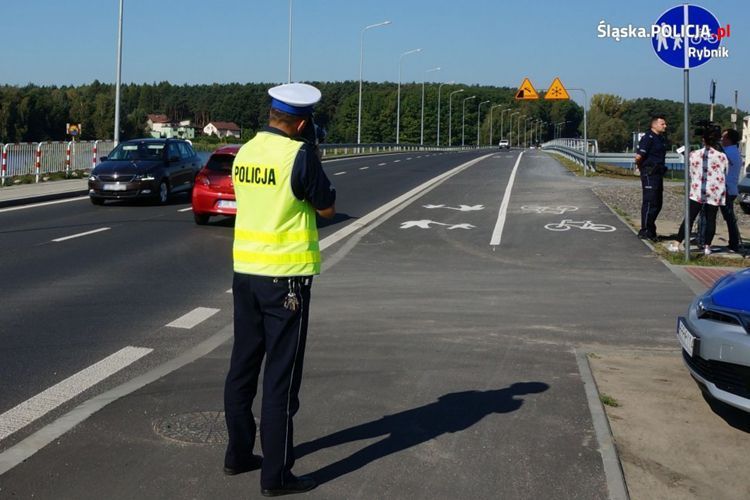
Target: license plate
<point x="687" y="339"/>
<point x="114" y="187"/>
<point x="227" y="204"/>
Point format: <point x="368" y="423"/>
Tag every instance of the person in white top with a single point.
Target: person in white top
<point x="708" y="190"/>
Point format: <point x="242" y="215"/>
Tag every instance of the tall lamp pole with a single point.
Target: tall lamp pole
<point x="450" y="116"/>
<point x="398" y="97"/>
<point x="508" y="110"/>
<point x="491" y="131"/>
<point x="510" y="128"/>
<point x="118" y="77"/>
<point x="421" y="128"/>
<point x="361" y="62"/>
<point x="463" y="119"/>
<point x="479" y="114"/>
<point x="518" y="129"/>
<point x="440" y="88"/>
<point x="289" y="74"/>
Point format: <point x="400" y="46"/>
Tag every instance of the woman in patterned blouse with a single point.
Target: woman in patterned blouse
<point x="708" y="170"/>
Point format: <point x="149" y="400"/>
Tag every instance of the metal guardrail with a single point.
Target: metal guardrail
<point x="363" y="149"/>
<point x="574" y="149"/>
<point x="39" y="158"/>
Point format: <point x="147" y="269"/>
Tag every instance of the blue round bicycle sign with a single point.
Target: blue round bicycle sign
<point x="692" y="29"/>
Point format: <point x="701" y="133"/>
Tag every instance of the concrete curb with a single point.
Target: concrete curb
<point x="618" y="489"/>
<point x="28" y="200"/>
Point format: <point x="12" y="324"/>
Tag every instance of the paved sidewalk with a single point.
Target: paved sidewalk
<point x="42" y="191"/>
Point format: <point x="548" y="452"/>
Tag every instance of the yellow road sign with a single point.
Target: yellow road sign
<point x="556" y="91"/>
<point x="526" y="91"/>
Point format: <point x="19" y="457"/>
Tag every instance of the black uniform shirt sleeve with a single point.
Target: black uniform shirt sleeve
<point x="309" y="181"/>
<point x="644" y="145"/>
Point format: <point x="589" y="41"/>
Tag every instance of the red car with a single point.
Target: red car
<point x="213" y="192"/>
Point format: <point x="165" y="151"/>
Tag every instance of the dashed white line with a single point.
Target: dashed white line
<point x="408" y="158"/>
<point x="497" y="234"/>
<point x="396" y="161"/>
<point x="30" y="410"/>
<point x="381" y="164"/>
<point x="185" y="209"/>
<point x="194" y="317"/>
<point x="64" y="238"/>
<point x="339" y="173"/>
<point x="363" y="168"/>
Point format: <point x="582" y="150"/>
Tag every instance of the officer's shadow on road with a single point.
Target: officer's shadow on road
<point x="452" y="412"/>
<point x="336" y="219"/>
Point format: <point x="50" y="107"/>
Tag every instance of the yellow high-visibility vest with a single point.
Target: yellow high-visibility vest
<point x="275" y="233"/>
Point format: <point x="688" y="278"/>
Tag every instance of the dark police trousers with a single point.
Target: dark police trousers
<point x="727" y="211"/>
<point x="264" y="327"/>
<point x="653" y="195"/>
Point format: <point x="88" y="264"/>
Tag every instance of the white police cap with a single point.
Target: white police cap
<point x="294" y="98"/>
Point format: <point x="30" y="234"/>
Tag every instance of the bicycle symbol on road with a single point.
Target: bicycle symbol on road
<point x="566" y="224"/>
<point x="558" y="210"/>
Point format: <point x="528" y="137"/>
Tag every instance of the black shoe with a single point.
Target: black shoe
<point x="254" y="464"/>
<point x="296" y="485"/>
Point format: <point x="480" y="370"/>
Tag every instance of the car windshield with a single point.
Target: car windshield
<point x="220" y="163"/>
<point x="137" y="151"/>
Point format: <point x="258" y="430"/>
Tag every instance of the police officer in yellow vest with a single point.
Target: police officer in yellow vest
<point x="279" y="184"/>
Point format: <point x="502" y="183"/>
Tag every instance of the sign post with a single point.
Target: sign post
<point x="694" y="35"/>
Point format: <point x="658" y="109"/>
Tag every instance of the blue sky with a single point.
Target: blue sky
<point x="494" y="42"/>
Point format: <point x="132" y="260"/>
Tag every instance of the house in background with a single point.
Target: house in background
<point x="160" y="126"/>
<point x="222" y="129"/>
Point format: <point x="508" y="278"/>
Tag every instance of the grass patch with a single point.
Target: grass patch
<point x="698" y="259"/>
<point x="43" y="177"/>
<point x="608" y="400"/>
<point x="594" y="355"/>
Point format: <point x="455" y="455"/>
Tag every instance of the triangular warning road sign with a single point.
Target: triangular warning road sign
<point x="556" y="91"/>
<point x="526" y="91"/>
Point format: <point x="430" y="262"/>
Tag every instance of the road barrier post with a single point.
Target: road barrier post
<point x="38" y="163"/>
<point x="4" y="171"/>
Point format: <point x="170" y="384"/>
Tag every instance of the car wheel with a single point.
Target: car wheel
<point x="201" y="219"/>
<point x="97" y="201"/>
<point x="163" y="192"/>
<point x="745" y="207"/>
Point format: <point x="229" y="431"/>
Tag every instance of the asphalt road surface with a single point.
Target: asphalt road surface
<point x="441" y="354"/>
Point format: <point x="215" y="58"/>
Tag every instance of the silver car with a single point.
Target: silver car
<point x="715" y="340"/>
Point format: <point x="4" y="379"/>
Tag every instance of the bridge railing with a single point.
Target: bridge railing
<point x="574" y="149"/>
<point x="40" y="158"/>
<point x="364" y="149"/>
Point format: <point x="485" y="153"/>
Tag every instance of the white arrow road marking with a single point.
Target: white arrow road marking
<point x="64" y="238"/>
<point x="425" y="224"/>
<point x="25" y="413"/>
<point x="460" y="208"/>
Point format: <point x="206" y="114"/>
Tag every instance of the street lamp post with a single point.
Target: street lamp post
<point x="440" y="88"/>
<point x="479" y="113"/>
<point x="491" y="131"/>
<point x="421" y="128"/>
<point x="518" y="129"/>
<point x="118" y="77"/>
<point x="289" y="73"/>
<point x="450" y="116"/>
<point x="463" y="119"/>
<point x="508" y="110"/>
<point x="398" y="98"/>
<point x="361" y="62"/>
<point x="510" y="128"/>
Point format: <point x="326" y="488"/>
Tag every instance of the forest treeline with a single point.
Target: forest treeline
<point x="39" y="113"/>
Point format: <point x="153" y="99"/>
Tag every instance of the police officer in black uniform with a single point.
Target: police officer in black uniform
<point x="280" y="185"/>
<point x="650" y="159"/>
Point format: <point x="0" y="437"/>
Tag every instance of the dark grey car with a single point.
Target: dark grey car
<point x="145" y="168"/>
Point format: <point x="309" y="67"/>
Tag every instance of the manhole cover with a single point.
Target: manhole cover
<point x="201" y="427"/>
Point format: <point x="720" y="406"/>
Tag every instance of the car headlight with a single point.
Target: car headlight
<point x="92" y="177"/>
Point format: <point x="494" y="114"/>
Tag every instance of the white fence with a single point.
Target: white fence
<point x="38" y="158"/>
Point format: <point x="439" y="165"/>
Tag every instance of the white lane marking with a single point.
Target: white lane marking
<point x="194" y="317"/>
<point x="363" y="168"/>
<point x="185" y="209"/>
<point x="64" y="238"/>
<point x="381" y="164"/>
<point x="339" y="173"/>
<point x="43" y="204"/>
<point x="229" y="291"/>
<point x="497" y="234"/>
<point x="396" y="161"/>
<point x="401" y="201"/>
<point x="408" y="158"/>
<point x="25" y="413"/>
